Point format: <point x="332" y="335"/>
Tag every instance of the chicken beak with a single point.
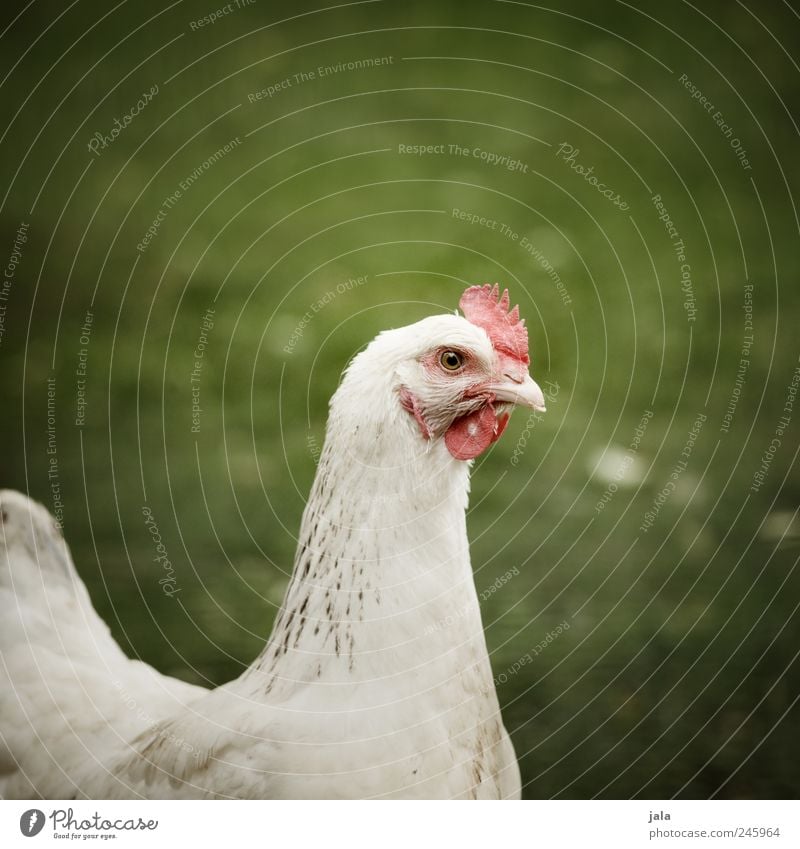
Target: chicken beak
<point x="526" y="392"/>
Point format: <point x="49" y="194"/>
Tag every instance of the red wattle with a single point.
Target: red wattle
<point x="502" y="421"/>
<point x="471" y="435"/>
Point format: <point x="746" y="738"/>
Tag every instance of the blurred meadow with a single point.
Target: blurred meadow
<point x="186" y="290"/>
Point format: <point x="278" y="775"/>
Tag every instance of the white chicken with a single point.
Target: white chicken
<point x="376" y="681"/>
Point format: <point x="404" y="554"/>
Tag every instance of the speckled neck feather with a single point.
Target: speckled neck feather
<point x="376" y="680"/>
<point x="381" y="610"/>
<point x="382" y="553"/>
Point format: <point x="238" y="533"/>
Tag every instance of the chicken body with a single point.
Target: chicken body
<point x="376" y="681"/>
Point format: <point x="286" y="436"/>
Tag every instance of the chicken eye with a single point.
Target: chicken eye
<point x="451" y="360"/>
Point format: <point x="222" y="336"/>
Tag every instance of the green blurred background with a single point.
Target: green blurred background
<point x="678" y="675"/>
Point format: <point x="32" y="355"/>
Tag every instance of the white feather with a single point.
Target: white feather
<point x="375" y="682"/>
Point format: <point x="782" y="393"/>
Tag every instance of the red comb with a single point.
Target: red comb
<point x="485" y="307"/>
